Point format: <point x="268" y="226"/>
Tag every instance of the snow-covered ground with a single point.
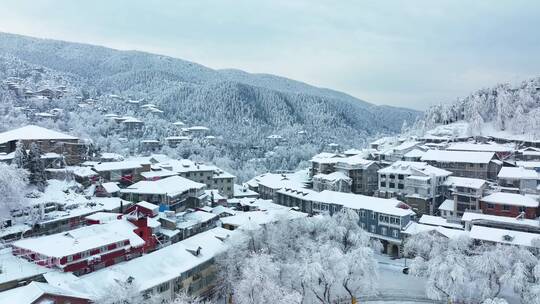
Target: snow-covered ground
<point x="396" y="287"/>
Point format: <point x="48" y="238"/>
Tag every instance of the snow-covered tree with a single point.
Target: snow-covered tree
<point x="36" y="168"/>
<point x="319" y="259"/>
<point x="20" y="157"/>
<point x="13" y="183"/>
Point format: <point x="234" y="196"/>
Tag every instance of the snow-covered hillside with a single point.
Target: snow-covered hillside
<point x="242" y="110"/>
<point x="503" y="111"/>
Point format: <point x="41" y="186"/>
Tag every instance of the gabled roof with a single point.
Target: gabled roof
<point x="32" y="132"/>
<point x="32" y="292"/>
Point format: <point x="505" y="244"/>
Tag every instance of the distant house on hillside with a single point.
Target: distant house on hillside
<point x="49" y="141"/>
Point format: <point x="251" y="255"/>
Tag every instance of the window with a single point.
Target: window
<point x="490" y="206"/>
<point x="363" y="225"/>
<point x="400" y="186"/>
<point x="392" y="185"/>
<point x="363" y="213"/>
<point x="395" y="233"/>
<point x="383" y="184"/>
<point x="506" y="207"/>
<point x="372" y="228"/>
<point x="383" y="230"/>
<point x="400" y="176"/>
<point x="69" y="258"/>
<point x="522" y="209"/>
<point x="373" y="215"/>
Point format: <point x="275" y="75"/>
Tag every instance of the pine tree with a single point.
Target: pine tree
<point x="36" y="167"/>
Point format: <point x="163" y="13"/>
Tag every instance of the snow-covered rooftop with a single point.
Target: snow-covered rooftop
<point x="517" y="173"/>
<point x="110" y="187"/>
<point x="32" y="132"/>
<point x="504" y="236"/>
<point x="458" y="156"/>
<point x="414" y="153"/>
<point x="438" y="221"/>
<point x="252" y="219"/>
<point x="82" y="239"/>
<point x="413" y="228"/>
<point x="353" y="161"/>
<point x="16" y="268"/>
<point x="170" y="186"/>
<point x="473" y="216"/>
<point x="447" y="205"/>
<point x="118" y="165"/>
<point x="332" y="177"/>
<point x="406" y="145"/>
<point x="241" y="190"/>
<point x="357" y="201"/>
<point x="407" y="168"/>
<point x="493" y="147"/>
<point x="512" y="199"/>
<point x="150" y="269"/>
<point x="465" y="182"/>
<point x="157" y="174"/>
<point x="278" y="181"/>
<point x="528" y="164"/>
<point x="32" y="292"/>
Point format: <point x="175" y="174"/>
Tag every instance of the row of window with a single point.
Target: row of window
<point x="383" y="230"/>
<point x="101" y="249"/>
<point x="392" y="185"/>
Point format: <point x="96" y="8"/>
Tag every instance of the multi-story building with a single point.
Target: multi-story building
<point x="124" y="172"/>
<point x="519" y="180"/>
<point x="510" y="204"/>
<point x="268" y="184"/>
<point x="463" y="194"/>
<point x="323" y="163"/>
<point x="382" y="218"/>
<point x="89" y="248"/>
<point x="418" y="183"/>
<point x="174" y="193"/>
<point x="187" y="266"/>
<point x="363" y="174"/>
<point x="212" y="176"/>
<point x="335" y="181"/>
<point x="501" y="151"/>
<point x="528" y="154"/>
<point x="482" y="165"/>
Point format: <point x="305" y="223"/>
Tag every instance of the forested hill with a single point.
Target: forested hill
<point x="503" y="110"/>
<point x="241" y="107"/>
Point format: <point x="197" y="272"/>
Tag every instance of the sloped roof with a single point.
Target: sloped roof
<point x="32" y="132"/>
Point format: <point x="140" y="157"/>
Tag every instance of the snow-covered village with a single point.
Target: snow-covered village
<point x="130" y="176"/>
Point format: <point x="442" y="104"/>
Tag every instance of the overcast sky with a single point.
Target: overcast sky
<point x="403" y="53"/>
